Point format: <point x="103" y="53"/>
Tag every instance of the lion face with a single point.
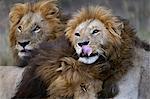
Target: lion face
<point x="95" y="34"/>
<point x="30" y="32"/>
<point x="32" y="24"/>
<point x="89" y="38"/>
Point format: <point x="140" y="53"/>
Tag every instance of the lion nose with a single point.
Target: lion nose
<point x="23" y="44"/>
<point x="83" y="43"/>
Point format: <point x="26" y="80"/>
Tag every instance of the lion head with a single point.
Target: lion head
<point x="95" y="34"/>
<point x="32" y="24"/>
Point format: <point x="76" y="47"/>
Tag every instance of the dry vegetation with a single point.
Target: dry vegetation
<point x="137" y="11"/>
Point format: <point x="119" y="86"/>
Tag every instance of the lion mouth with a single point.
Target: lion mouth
<point x="92" y="58"/>
<point x="24" y="53"/>
<point x="86" y="55"/>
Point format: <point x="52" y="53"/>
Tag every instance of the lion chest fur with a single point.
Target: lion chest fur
<point x="74" y="81"/>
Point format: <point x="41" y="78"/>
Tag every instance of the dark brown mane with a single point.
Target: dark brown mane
<point x="31" y="84"/>
<point x="41" y="71"/>
<point x="44" y="68"/>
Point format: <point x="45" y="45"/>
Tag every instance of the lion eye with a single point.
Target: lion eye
<point x="95" y="31"/>
<point x="77" y="34"/>
<point x="19" y="28"/>
<point x="36" y="29"/>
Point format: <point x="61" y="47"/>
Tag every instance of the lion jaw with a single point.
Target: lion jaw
<point x="24" y="52"/>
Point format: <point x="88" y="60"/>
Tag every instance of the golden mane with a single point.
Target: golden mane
<point x="47" y="64"/>
<point x="101" y="13"/>
<point x="47" y="9"/>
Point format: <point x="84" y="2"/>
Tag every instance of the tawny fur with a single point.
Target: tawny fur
<point x="47" y="11"/>
<point x="121" y="43"/>
<point x="64" y="77"/>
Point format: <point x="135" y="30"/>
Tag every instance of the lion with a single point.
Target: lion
<point x="61" y="74"/>
<point x="96" y="34"/>
<point x="87" y="63"/>
<point x="32" y="24"/>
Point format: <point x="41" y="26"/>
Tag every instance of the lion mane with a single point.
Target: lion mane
<point x="50" y="14"/>
<point x="63" y="76"/>
<point x="122" y="47"/>
<point x="56" y="73"/>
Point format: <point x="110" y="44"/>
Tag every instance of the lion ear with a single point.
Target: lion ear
<point x="49" y="8"/>
<point x="120" y="27"/>
<point x="17" y="12"/>
<point x="117" y="29"/>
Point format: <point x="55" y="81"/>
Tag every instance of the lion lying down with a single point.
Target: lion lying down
<point x="99" y="52"/>
<point x="61" y="74"/>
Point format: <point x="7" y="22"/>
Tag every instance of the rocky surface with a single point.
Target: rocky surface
<point x="136" y="84"/>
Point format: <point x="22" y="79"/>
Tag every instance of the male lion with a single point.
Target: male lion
<point x="57" y="70"/>
<point x="98" y="35"/>
<point x="103" y="48"/>
<point x="32" y="24"/>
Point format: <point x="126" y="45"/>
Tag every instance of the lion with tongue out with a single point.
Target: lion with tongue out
<point x="95" y="34"/>
<point x="104" y="47"/>
<point x="87" y="56"/>
<point x="97" y="37"/>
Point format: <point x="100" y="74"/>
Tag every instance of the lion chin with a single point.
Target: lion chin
<point x="24" y="51"/>
<point x="88" y="60"/>
<point x="93" y="58"/>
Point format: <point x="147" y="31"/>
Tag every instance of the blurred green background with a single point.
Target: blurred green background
<point x="136" y="11"/>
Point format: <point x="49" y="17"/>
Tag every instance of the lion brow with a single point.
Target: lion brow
<point x="88" y="23"/>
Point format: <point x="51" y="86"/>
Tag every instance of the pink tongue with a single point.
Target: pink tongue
<point x="86" y="50"/>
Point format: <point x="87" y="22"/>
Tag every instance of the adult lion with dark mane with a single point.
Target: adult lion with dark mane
<point x="99" y="52"/>
<point x="32" y="24"/>
<point x="97" y="34"/>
